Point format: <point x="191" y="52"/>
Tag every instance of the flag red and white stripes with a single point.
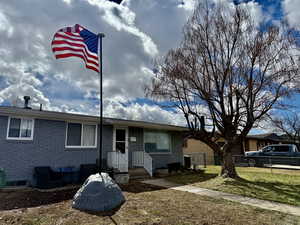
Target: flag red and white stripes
<point x="77" y="42"/>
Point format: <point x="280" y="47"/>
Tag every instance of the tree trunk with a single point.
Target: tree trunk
<point x="228" y="167"/>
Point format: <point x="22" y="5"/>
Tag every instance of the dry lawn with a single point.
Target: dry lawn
<point x="145" y="205"/>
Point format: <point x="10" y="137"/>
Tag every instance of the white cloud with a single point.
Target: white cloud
<point x="5" y="25"/>
<point x="143" y="112"/>
<point x="15" y="98"/>
<point x="187" y="4"/>
<point x="67" y="1"/>
<point x="136" y="32"/>
<point x="123" y="19"/>
<point x="256" y="11"/>
<point x="252" y="7"/>
<point x="291" y="10"/>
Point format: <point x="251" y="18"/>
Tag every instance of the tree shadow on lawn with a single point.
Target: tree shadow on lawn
<point x="273" y="191"/>
<point x="267" y="190"/>
<point x="192" y="177"/>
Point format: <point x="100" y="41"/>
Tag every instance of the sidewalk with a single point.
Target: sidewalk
<point x="269" y="205"/>
<point x="288" y="167"/>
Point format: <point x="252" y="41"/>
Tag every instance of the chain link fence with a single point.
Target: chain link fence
<point x="199" y="160"/>
<point x="195" y="160"/>
<point x="281" y="162"/>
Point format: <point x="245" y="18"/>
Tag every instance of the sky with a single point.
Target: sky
<point x="137" y="33"/>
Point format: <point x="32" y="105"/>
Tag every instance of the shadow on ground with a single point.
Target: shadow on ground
<point x="191" y="177"/>
<point x="261" y="188"/>
<point x="138" y="187"/>
<point x="287" y="191"/>
<point x="109" y="214"/>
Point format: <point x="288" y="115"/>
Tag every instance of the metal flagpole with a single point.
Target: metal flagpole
<point x="100" y="35"/>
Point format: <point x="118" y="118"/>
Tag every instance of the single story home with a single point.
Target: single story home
<point x="258" y="141"/>
<point x="30" y="138"/>
<point x="207" y="155"/>
<point x="192" y="147"/>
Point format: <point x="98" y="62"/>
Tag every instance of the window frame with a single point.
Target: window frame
<point x="115" y="138"/>
<point x="158" y="131"/>
<point x="20" y="138"/>
<point x="81" y="137"/>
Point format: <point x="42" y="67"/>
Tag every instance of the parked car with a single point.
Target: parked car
<point x="287" y="154"/>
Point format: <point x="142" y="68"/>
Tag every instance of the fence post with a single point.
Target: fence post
<point x="270" y="162"/>
<point x="204" y="159"/>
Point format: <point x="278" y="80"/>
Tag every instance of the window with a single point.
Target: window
<point x="283" y="148"/>
<point x="20" y="128"/>
<point x="157" y="142"/>
<point x="277" y="148"/>
<point x="120" y="140"/>
<point x="267" y="149"/>
<point x="81" y="135"/>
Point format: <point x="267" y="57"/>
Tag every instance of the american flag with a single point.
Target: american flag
<point x="77" y="41"/>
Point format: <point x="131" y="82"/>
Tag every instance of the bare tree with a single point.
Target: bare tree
<point x="229" y="67"/>
<point x="289" y="125"/>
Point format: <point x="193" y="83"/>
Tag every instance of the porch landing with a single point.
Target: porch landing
<point x="138" y="173"/>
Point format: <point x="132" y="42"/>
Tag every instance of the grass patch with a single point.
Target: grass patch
<point x="149" y="206"/>
<point x="276" y="185"/>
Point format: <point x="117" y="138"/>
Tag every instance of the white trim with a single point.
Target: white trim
<point x="81" y="146"/>
<point x="61" y="116"/>
<point x="20" y="138"/>
<point x="158" y="131"/>
<point x="123" y="158"/>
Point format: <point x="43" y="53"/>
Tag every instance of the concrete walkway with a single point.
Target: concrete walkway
<point x="287" y="167"/>
<point x="269" y="205"/>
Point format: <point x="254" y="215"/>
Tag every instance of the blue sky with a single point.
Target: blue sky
<point x="137" y="33"/>
<point x="271" y="7"/>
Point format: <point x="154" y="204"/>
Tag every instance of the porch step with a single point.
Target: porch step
<point x="138" y="173"/>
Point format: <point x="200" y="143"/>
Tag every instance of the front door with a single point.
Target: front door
<point x="121" y="148"/>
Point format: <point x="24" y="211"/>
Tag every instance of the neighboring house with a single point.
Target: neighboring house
<point x="251" y="143"/>
<point x="193" y="146"/>
<point x="31" y="138"/>
<point x="258" y="141"/>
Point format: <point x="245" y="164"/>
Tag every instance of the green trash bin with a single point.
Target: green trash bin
<point x="2" y="178"/>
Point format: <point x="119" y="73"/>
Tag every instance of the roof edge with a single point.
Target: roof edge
<point x="63" y="116"/>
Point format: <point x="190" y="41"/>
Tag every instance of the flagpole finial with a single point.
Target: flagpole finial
<point x="102" y="35"/>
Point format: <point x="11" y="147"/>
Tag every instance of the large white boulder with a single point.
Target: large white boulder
<point x="99" y="193"/>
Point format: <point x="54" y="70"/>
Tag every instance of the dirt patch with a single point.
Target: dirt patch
<point x="17" y="199"/>
<point x="32" y="198"/>
<point x="147" y="205"/>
